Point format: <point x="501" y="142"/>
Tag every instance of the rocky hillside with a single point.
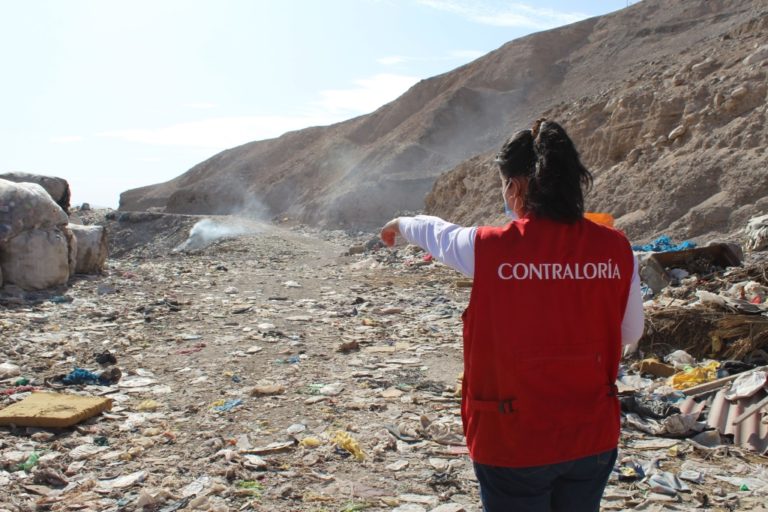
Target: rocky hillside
<point x="677" y="146"/>
<point x="620" y="82"/>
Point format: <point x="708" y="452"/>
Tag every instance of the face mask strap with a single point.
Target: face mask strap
<point x="510" y="212"/>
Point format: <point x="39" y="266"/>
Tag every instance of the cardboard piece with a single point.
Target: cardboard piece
<point x="53" y="410"/>
<point x="656" y="368"/>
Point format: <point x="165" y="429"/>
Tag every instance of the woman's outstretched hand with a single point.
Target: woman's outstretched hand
<point x="389" y="232"/>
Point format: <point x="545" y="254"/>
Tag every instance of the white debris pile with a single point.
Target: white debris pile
<point x="757" y="233"/>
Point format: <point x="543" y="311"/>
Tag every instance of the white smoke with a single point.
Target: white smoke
<point x="208" y="231"/>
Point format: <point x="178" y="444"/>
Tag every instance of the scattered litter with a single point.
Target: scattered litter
<point x="333" y="389"/>
<point x="31" y="462"/>
<point x="105" y="358"/>
<point x="310" y="442"/>
<point x="80" y="376"/>
<point x="346" y="442"/>
<point x="267" y="390"/>
<point x="123" y="482"/>
<point x="680" y="359"/>
<point x="349" y="346"/>
<point x="656" y="368"/>
<point x="215" y="408"/>
<point x="8" y="370"/>
<point x="695" y="376"/>
<point x="664" y="244"/>
<point x="228" y="405"/>
<point x="746" y="385"/>
<point x="148" y="405"/>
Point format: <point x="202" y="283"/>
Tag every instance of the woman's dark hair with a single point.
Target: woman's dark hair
<point x="547" y="157"/>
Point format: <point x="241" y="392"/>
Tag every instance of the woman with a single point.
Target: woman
<point x="554" y="298"/>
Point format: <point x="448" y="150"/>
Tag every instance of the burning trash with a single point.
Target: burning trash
<point x="208" y="231"/>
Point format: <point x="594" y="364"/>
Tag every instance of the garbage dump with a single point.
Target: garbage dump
<point x="305" y="370"/>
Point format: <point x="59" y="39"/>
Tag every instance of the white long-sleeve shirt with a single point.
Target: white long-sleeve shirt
<point x="455" y="246"/>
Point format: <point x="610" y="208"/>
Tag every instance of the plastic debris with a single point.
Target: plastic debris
<point x="18" y="389"/>
<point x="228" y="405"/>
<point x="123" y="482"/>
<point x="31" y="462"/>
<point x="346" y="442"/>
<point x="310" y="442"/>
<point x="680" y="359"/>
<point x="148" y="405"/>
<point x="747" y="384"/>
<point x="695" y="376"/>
<point x="255" y="488"/>
<point x="80" y="376"/>
<point x="667" y="483"/>
<point x="8" y="370"/>
<point x="664" y="244"/>
<point x="105" y="358"/>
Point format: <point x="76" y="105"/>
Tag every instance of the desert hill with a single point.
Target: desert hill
<point x="621" y="83"/>
<point x="678" y="146"/>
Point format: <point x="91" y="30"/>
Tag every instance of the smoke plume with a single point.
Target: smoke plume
<point x="208" y="231"/>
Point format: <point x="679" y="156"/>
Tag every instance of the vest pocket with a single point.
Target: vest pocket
<point x="569" y="389"/>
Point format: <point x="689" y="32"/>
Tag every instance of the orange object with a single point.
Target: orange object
<point x="606" y="219"/>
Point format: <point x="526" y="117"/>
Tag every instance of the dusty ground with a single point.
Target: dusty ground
<point x="195" y="331"/>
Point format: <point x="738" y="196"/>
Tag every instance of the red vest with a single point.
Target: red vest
<point x="542" y="342"/>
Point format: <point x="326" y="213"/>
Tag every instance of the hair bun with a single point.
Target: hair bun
<point x="536" y="128"/>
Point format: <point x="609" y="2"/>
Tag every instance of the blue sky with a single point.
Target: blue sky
<point x="113" y="95"/>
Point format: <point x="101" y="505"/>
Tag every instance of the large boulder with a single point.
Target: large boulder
<point x="57" y="188"/>
<point x="37" y="250"/>
<point x="25" y="206"/>
<point x="36" y="259"/>
<point x="91" y="248"/>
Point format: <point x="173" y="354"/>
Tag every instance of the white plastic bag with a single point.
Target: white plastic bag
<point x="680" y="359"/>
<point x="746" y="385"/>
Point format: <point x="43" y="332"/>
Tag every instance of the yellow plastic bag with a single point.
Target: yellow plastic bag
<point x="345" y="441"/>
<point x="148" y="405"/>
<point x="695" y="376"/>
<point x="310" y="442"/>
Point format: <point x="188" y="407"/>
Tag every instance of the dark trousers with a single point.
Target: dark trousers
<point x="573" y="486"/>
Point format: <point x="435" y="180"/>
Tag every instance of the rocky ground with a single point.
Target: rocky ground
<point x="275" y="372"/>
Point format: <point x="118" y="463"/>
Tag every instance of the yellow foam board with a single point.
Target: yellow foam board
<point x="57" y="410"/>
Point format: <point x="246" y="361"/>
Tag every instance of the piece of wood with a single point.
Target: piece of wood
<point x="717" y="384"/>
<point x="751" y="410"/>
